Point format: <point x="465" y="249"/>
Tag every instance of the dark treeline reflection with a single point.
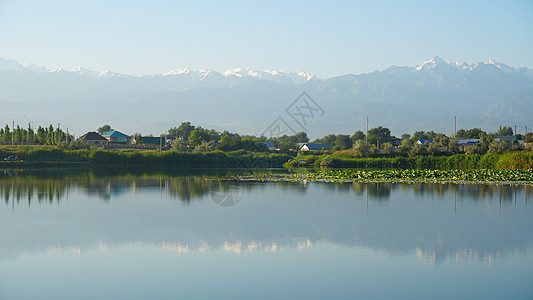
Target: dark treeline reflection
<point x="53" y="185"/>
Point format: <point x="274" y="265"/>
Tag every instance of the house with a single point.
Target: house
<point x="395" y="141"/>
<point x="467" y="142"/>
<point x="116" y="137"/>
<point x="509" y="138"/>
<point x="270" y="146"/>
<point x="424" y="141"/>
<point x="313" y="147"/>
<point x="93" y="138"/>
<point x="151" y="140"/>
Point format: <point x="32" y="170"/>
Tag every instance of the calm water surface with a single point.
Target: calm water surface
<point x="102" y="234"/>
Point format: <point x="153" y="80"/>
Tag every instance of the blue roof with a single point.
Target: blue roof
<point x="423" y="141"/>
<point x="315" y="146"/>
<point x="114" y="133"/>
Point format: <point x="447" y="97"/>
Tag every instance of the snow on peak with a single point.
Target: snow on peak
<point x="433" y="63"/>
<point x="84" y="71"/>
<point x="281" y="76"/>
<point x="58" y="70"/>
<point x="463" y="65"/>
<point x="237" y="72"/>
<point x="505" y="68"/>
<point x="106" y="74"/>
<point x="177" y="72"/>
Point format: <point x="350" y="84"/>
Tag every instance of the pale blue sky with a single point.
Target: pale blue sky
<point x="326" y="38"/>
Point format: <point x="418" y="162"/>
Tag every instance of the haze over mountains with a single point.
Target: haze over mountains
<point x="404" y="99"/>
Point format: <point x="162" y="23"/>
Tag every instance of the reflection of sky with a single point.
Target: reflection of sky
<point x="326" y="239"/>
<point x="438" y="225"/>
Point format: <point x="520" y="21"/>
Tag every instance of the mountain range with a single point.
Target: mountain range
<point x="402" y="98"/>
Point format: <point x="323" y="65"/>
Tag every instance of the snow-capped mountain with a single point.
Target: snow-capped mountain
<point x="402" y="98"/>
<point x="245" y="74"/>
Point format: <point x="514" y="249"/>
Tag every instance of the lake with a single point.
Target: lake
<point x="167" y="234"/>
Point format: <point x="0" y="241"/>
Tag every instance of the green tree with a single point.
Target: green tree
<point x="441" y="140"/>
<point x="361" y="148"/>
<point x="473" y="149"/>
<point x="405" y="146"/>
<point x="420" y="135"/>
<point x="417" y="149"/>
<point x="204" y="146"/>
<point x="433" y="149"/>
<point x="529" y="137"/>
<point x="499" y="147"/>
<point x="379" y="134"/>
<point x="301" y="137"/>
<point x="185" y="130"/>
<point x="473" y="133"/>
<point x="7" y="134"/>
<point x="358" y="135"/>
<point x="343" y="141"/>
<point x="287" y="146"/>
<point x="179" y="144"/>
<point x="484" y="142"/>
<point x="104" y="129"/>
<point x="505" y="131"/>
<point x="388" y="147"/>
<point x="452" y="146"/>
<point x="230" y="143"/>
<point x="328" y="139"/>
<point x="198" y="136"/>
<point x="213" y="135"/>
<point x="41" y="135"/>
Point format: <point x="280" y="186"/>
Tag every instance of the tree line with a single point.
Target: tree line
<point x="188" y="137"/>
<point x="42" y="136"/>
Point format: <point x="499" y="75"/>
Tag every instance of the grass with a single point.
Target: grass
<point x="42" y="155"/>
<point x="347" y="159"/>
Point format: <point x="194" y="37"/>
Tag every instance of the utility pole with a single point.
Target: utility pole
<point x="66" y="137"/>
<point x="58" y="130"/>
<point x="13" y="134"/>
<point x="366" y="130"/>
<point x="454" y="126"/>
<point x="514" y="130"/>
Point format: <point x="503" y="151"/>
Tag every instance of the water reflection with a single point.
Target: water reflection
<point x="23" y="186"/>
<point x="434" y="222"/>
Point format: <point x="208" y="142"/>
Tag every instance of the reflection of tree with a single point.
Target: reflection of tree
<point x="376" y="191"/>
<point x="430" y="188"/>
<point x="45" y="185"/>
<point x="26" y="185"/>
<point x="187" y="188"/>
<point x="479" y="192"/>
<point x="379" y="191"/>
<point x="17" y="188"/>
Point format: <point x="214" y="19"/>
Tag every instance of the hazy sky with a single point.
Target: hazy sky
<point x="326" y="38"/>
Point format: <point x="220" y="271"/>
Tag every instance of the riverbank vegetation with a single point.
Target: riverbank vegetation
<point x="35" y="155"/>
<point x="193" y="146"/>
<point x="350" y="159"/>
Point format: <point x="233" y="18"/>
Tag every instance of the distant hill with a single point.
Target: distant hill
<point x="404" y="99"/>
